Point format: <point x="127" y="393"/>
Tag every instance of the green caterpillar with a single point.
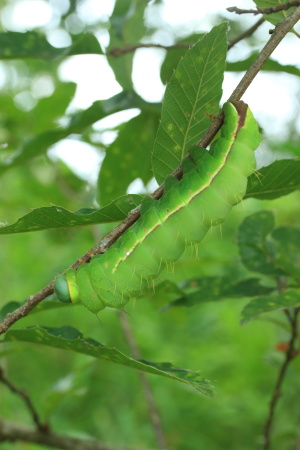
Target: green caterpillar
<point x="212" y="183"/>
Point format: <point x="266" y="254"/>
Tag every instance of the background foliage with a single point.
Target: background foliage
<point x="193" y="320"/>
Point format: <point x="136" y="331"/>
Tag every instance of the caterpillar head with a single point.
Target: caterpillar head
<point x="66" y="288"/>
<point x="75" y="287"/>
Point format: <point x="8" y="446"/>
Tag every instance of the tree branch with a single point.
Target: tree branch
<point x="289" y="356"/>
<point x="12" y="433"/>
<point x="281" y="29"/>
<point x="26" y="399"/>
<point x="271" y="10"/>
<point x="153" y="411"/>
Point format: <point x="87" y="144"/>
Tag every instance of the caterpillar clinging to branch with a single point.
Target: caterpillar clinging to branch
<point x="212" y="183"/>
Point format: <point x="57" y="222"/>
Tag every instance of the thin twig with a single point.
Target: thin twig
<point x="12" y="433"/>
<point x="271" y="10"/>
<point x="153" y="411"/>
<point x="26" y="399"/>
<point x="280" y="31"/>
<point x="119" y="51"/>
<point x="246" y="33"/>
<point x="289" y="356"/>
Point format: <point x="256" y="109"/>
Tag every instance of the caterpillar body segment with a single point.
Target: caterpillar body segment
<point x="212" y="183"/>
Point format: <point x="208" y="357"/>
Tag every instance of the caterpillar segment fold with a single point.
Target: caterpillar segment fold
<point x="212" y="183"/>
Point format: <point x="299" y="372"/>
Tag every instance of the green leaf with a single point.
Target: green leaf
<point x="50" y="108"/>
<point x="47" y="304"/>
<point x="275" y="17"/>
<point x="218" y="288"/>
<point x="164" y="293"/>
<point x="191" y="99"/>
<point x="270" y="65"/>
<point x="17" y="124"/>
<point x="256" y="251"/>
<point x="31" y="44"/>
<point x="274" y="321"/>
<point x="278" y="179"/>
<point x="128" y="157"/>
<point x="8" y="308"/>
<point x="288" y="250"/>
<point x="77" y="123"/>
<point x="57" y="217"/>
<point x="174" y="56"/>
<point x="257" y="306"/>
<point x="68" y="338"/>
<point x="34" y="147"/>
<point x="84" y="44"/>
<point x="290" y="146"/>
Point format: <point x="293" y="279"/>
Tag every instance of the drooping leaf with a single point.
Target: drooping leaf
<point x="191" y="99"/>
<point x="57" y="217"/>
<point x="14" y="45"/>
<point x="260" y="305"/>
<point x="128" y="157"/>
<point x="70" y="339"/>
<point x="207" y="289"/>
<point x="257" y="252"/>
<point x="279" y="178"/>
